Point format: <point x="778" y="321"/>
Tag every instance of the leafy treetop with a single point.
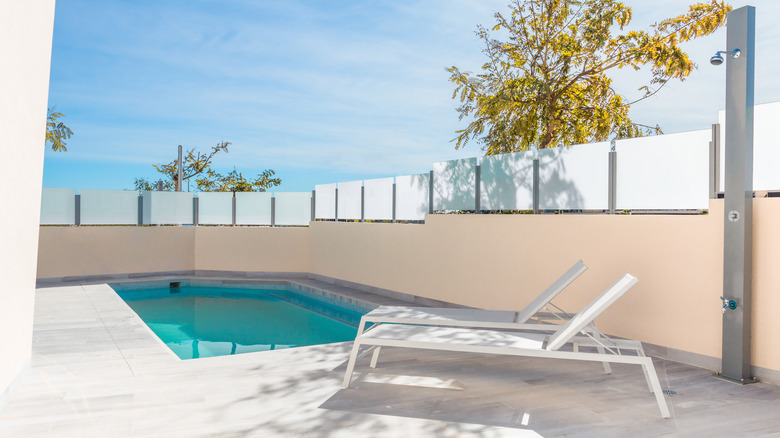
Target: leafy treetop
<point x="234" y="181"/>
<point x="546" y="85"/>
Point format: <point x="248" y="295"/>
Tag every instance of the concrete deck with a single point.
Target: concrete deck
<point x="98" y="371"/>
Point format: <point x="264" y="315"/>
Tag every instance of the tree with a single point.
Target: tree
<point x="198" y="164"/>
<point x="546" y="85"/>
<point x="193" y="163"/>
<point x="56" y="131"/>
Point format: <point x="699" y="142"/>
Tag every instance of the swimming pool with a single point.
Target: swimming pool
<point x="202" y="320"/>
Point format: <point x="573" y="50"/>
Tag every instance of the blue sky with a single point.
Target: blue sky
<point x="319" y="91"/>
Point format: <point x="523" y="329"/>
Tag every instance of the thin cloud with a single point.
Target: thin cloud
<point x="356" y="88"/>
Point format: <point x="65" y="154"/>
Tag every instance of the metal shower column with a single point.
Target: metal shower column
<point x="738" y="202"/>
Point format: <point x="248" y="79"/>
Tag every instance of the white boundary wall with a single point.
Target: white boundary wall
<point x="26" y="29"/>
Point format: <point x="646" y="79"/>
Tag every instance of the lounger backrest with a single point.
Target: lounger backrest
<point x="551" y="292"/>
<point x="589" y="313"/>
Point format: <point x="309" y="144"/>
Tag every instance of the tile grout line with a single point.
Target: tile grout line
<point x="107" y="330"/>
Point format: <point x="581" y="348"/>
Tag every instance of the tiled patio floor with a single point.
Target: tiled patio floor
<point x="97" y="371"/>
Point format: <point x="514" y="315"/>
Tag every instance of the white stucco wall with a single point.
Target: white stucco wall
<point x="26" y="29"/>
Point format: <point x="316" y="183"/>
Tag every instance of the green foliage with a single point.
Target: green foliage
<point x="546" y="85"/>
<point x="145" y="185"/>
<point x="56" y="131"/>
<point x="198" y="164"/>
<point x="234" y="181"/>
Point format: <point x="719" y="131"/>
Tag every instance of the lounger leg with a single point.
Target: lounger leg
<point x="607" y="367"/>
<point x="375" y="356"/>
<point x="647" y="379"/>
<point x="656" y="386"/>
<point x="351" y="364"/>
<point x="641" y="352"/>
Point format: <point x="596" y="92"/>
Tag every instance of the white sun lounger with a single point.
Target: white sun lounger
<point x="513" y="342"/>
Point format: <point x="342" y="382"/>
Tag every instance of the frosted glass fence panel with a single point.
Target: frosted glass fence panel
<point x="412" y="197"/>
<point x="722" y="152"/>
<point x="215" y="208"/>
<point x="325" y="201"/>
<point x="378" y="199"/>
<point x="507" y="181"/>
<point x="253" y="208"/>
<point x="349" y="200"/>
<point x="664" y="172"/>
<point x="766" y="147"/>
<point x="454" y="184"/>
<point x="109" y="207"/>
<point x="167" y="208"/>
<point x="293" y="208"/>
<point x="574" y="177"/>
<point x="58" y="207"/>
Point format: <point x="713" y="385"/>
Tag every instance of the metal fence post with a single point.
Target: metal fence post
<point x="141" y="210"/>
<point x="362" y="203"/>
<point x="477" y="193"/>
<point x="313" y="204"/>
<point x="179" y="172"/>
<point x="273" y="211"/>
<point x="336" y="207"/>
<point x="430" y="193"/>
<point x="195" y="210"/>
<point x="77" y="220"/>
<point x="233" y="201"/>
<point x="393" y="203"/>
<point x="612" y="184"/>
<point x="536" y="186"/>
<point x="715" y="161"/>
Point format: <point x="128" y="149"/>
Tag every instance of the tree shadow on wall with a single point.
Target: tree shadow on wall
<point x="453" y="185"/>
<point x="416" y="184"/>
<point x="507" y="181"/>
<point x="556" y="189"/>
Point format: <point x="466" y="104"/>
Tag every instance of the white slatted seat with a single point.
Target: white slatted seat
<point x="427" y="337"/>
<point x="477" y="318"/>
<point x="515" y="343"/>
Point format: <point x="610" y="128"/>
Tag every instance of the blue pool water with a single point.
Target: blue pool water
<point x="203" y="321"/>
